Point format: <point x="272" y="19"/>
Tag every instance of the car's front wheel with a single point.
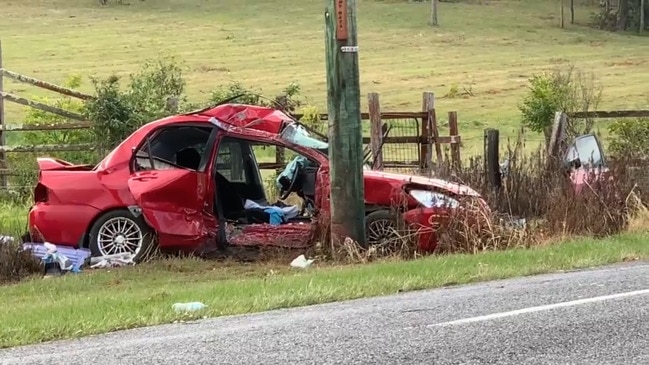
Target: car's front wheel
<point x="386" y="231"/>
<point x="120" y="232"/>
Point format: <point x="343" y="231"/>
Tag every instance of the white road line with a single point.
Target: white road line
<point x="540" y="308"/>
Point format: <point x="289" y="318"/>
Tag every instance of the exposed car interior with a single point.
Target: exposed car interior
<point x="240" y="192"/>
<point x="241" y="187"/>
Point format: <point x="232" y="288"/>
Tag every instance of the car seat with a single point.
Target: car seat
<point x="189" y="158"/>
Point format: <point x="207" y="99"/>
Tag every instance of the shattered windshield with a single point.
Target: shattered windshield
<point x="295" y="133"/>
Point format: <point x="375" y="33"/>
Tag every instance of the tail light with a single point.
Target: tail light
<point x="40" y="193"/>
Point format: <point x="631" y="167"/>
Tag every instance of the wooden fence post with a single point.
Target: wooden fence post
<point x="558" y="133"/>
<point x="430" y="133"/>
<point x="3" y="163"/>
<point x="455" y="145"/>
<point x="376" y="133"/>
<point x="492" y="158"/>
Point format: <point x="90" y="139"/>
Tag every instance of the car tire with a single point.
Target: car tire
<point x="134" y="230"/>
<point x="383" y="225"/>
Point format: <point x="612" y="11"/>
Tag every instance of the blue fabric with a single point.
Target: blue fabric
<point x="289" y="171"/>
<point x="276" y="215"/>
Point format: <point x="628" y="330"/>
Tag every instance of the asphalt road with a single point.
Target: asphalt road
<point x="586" y="317"/>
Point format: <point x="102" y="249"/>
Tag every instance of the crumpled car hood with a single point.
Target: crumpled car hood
<point x="404" y="179"/>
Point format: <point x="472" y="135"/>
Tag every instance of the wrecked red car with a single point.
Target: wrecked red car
<point x="192" y="182"/>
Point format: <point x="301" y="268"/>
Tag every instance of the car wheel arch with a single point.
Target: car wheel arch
<point x="84" y="242"/>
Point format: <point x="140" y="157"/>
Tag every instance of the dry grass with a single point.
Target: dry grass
<point x="490" y="49"/>
<point x="537" y="189"/>
<point x="17" y="264"/>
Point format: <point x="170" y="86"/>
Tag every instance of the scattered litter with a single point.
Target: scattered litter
<point x="107" y="261"/>
<point x="514" y="223"/>
<point x="59" y="260"/>
<point x="188" y="307"/>
<point x="6" y="239"/>
<point x="301" y="262"/>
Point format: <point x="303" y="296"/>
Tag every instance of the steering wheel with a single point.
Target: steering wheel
<point x="286" y="192"/>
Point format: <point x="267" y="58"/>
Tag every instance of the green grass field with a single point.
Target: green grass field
<point x="490" y="48"/>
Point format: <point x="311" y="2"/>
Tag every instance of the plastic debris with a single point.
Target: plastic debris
<point x="6" y="239"/>
<point x="59" y="259"/>
<point x="57" y="263"/>
<point x="188" y="307"/>
<point x="301" y="262"/>
<point x="116" y="260"/>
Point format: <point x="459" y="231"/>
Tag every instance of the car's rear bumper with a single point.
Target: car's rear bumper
<point x="59" y="224"/>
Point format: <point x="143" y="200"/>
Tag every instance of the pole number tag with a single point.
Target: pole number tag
<point x="348" y="49"/>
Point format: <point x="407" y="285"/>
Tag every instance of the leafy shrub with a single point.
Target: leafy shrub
<point x="156" y="91"/>
<point x="568" y="91"/>
<point x="238" y="93"/>
<point x="629" y="137"/>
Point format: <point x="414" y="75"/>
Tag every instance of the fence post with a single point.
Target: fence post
<point x="3" y="157"/>
<point x="455" y="145"/>
<point x="558" y="133"/>
<point x="429" y="132"/>
<point x="376" y="133"/>
<point x="492" y="158"/>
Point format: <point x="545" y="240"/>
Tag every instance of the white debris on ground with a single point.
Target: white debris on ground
<point x="117" y="260"/>
<point x="188" y="307"/>
<point x="301" y="262"/>
<point x="52" y="255"/>
<point x="6" y="239"/>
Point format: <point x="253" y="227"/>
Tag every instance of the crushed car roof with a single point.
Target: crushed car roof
<point x="248" y="116"/>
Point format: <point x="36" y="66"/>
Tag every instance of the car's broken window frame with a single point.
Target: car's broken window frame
<point x="145" y="143"/>
<point x="252" y="141"/>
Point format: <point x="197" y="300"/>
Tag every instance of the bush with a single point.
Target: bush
<point x="562" y="90"/>
<point x="16" y="263"/>
<point x="236" y="92"/>
<point x="630" y="137"/>
<point x="156" y="91"/>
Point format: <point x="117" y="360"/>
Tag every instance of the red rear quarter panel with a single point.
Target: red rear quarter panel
<point x="75" y="200"/>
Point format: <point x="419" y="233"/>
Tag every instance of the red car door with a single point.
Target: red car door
<point x="176" y="203"/>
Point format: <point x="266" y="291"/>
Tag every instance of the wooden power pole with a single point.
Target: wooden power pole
<point x="344" y="115"/>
